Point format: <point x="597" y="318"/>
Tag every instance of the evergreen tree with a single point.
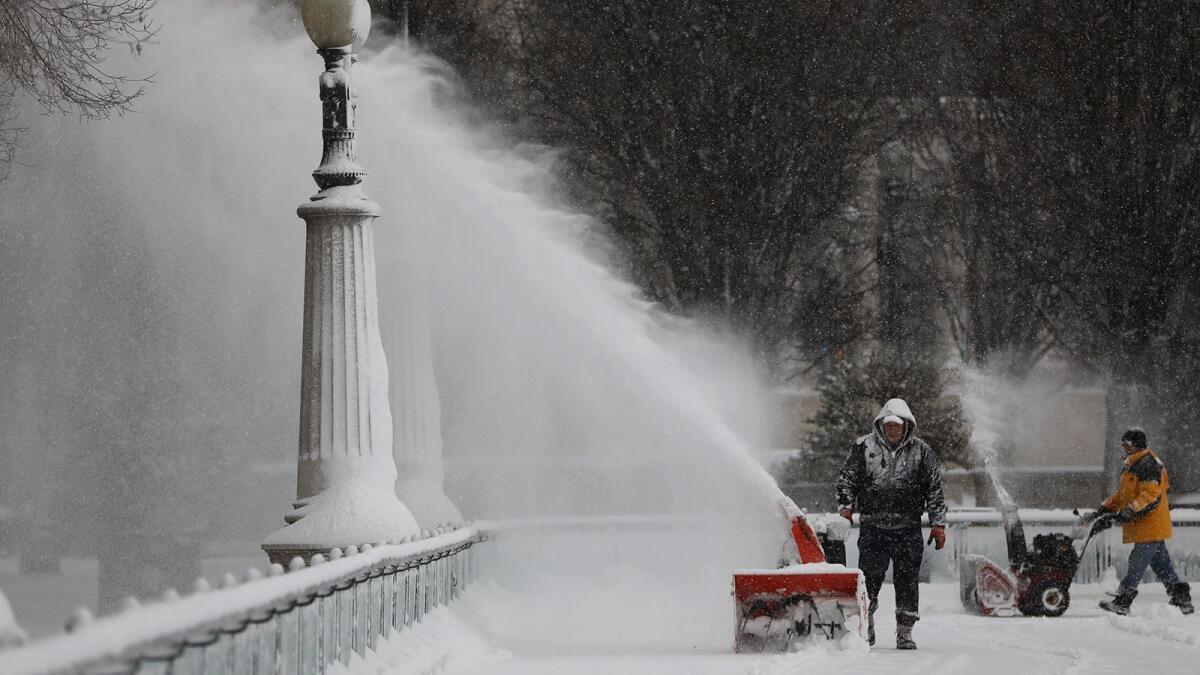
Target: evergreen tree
<point x="851" y="396"/>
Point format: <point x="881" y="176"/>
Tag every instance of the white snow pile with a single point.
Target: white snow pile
<point x="438" y="643"/>
<point x="11" y="634"/>
<point x="346" y="514"/>
<point x="815" y="655"/>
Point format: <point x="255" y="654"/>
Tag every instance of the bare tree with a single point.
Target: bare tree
<point x="1094" y="116"/>
<point x="54" y="51"/>
<point x="718" y="143"/>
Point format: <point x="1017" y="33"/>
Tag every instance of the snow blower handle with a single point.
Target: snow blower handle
<point x="1096" y="522"/>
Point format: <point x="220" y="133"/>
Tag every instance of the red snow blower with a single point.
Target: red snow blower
<point x="1037" y="582"/>
<point x="810" y="598"/>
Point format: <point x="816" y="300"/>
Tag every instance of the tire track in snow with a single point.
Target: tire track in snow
<point x="1080" y="661"/>
<point x="1139" y="626"/>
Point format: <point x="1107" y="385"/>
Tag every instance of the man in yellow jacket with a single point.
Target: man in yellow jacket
<point x="1140" y="505"/>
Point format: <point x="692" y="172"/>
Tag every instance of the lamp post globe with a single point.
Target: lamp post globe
<point x="336" y="23"/>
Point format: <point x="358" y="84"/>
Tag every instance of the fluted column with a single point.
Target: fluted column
<point x="414" y="394"/>
<point x="346" y="474"/>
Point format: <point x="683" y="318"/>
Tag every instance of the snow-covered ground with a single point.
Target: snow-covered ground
<point x="629" y="622"/>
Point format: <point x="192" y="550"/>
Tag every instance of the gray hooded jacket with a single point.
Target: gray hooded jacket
<point x="891" y="487"/>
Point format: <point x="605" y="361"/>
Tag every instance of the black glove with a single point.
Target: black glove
<point x="1125" y="515"/>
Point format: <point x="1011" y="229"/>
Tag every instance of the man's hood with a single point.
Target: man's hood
<point x="899" y="408"/>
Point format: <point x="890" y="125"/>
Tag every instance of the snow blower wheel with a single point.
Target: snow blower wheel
<point x="1048" y="598"/>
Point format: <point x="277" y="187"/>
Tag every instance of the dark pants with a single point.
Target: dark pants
<point x="903" y="550"/>
<point x="1152" y="554"/>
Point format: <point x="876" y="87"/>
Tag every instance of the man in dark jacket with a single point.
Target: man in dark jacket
<point x="891" y="478"/>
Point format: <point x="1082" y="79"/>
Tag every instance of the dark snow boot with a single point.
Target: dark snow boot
<point x="1120" y="604"/>
<point x="904" y="638"/>
<point x="1181" y="597"/>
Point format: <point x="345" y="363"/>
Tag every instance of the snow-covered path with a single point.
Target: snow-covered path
<point x="573" y="626"/>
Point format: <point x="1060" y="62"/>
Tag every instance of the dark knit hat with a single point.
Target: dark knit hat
<point x="1136" y="437"/>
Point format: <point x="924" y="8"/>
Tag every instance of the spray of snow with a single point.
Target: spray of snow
<point x="563" y="389"/>
<point x="990" y="403"/>
<point x="563" y="392"/>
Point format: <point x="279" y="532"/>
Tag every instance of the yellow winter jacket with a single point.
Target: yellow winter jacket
<point x="1143" y="490"/>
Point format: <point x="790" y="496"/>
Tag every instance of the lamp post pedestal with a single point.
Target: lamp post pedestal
<point x="346" y="473"/>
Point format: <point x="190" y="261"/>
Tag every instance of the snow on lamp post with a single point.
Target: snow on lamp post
<point x="346" y="474"/>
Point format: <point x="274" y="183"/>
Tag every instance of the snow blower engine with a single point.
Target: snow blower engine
<point x="1037" y="582"/>
<point x="809" y="598"/>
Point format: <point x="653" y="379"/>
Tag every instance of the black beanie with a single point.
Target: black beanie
<point x="1136" y="436"/>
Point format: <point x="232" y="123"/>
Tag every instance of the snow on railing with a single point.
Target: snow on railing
<point x="299" y="621"/>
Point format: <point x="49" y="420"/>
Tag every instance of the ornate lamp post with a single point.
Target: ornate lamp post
<point x="346" y="474"/>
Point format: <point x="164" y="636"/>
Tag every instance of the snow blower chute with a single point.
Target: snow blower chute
<point x="1037" y="582"/>
<point x="811" y="598"/>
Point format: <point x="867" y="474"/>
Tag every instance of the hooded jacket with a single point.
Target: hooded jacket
<point x="1143" y="491"/>
<point x="890" y="487"/>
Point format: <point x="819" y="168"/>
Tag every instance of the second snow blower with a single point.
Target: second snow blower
<point x="811" y="598"/>
<point x="1036" y="583"/>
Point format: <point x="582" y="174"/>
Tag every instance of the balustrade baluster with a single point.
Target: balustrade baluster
<point x="422" y="591"/>
<point x="288" y="623"/>
<point x="460" y="572"/>
<point x="443" y="572"/>
<point x="433" y="587"/>
<point x="422" y="578"/>
<point x="435" y="584"/>
<point x="216" y="655"/>
<point x="243" y="648"/>
<point x="388" y="609"/>
<point x="401" y="598"/>
<point x="374" y="586"/>
<point x="410" y="594"/>
<point x="264" y="651"/>
<point x="468" y="565"/>
<point x="345" y="623"/>
<point x="472" y="564"/>
<point x="328" y="610"/>
<point x="362" y="612"/>
<point x="309" y="616"/>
